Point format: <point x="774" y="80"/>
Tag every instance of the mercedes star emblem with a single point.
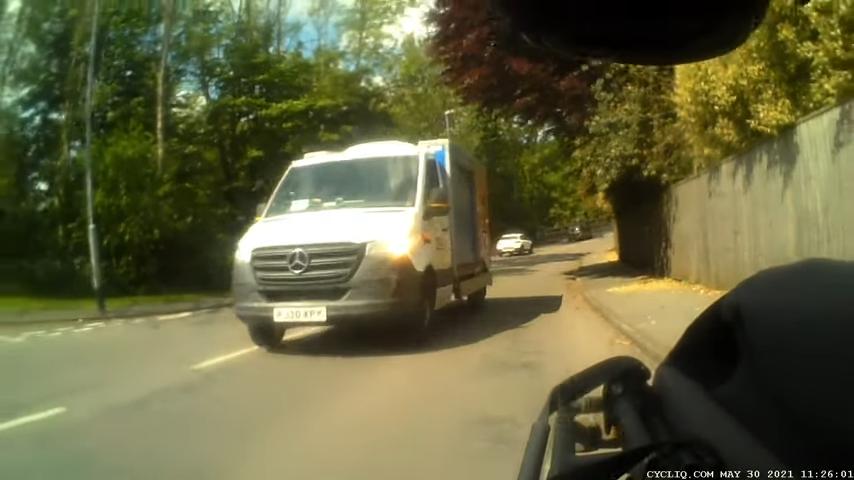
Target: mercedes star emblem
<point x="298" y="261"/>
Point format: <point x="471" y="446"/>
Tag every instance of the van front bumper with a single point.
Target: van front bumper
<point x="337" y="312"/>
<point x="382" y="289"/>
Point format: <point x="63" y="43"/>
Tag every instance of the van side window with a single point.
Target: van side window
<point x="431" y="180"/>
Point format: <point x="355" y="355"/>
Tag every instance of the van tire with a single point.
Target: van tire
<point x="267" y="335"/>
<point x="422" y="320"/>
<point x="475" y="300"/>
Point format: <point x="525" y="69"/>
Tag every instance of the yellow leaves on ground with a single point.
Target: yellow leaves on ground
<point x="665" y="284"/>
<point x="611" y="256"/>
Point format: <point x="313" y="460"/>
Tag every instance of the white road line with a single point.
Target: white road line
<point x="137" y="320"/>
<point x="83" y="329"/>
<point x="17" y="422"/>
<point x="222" y="358"/>
<point x="11" y="339"/>
<point x="174" y="316"/>
<point x="54" y="334"/>
<point x="95" y="324"/>
<point x="33" y="332"/>
<point x="64" y="329"/>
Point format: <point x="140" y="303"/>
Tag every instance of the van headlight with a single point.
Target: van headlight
<point x="243" y="253"/>
<point x="394" y="247"/>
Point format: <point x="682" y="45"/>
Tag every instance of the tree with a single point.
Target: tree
<point x="417" y="100"/>
<point x="12" y="45"/>
<point x="798" y="61"/>
<point x="168" y="16"/>
<point x="490" y="67"/>
<point x="633" y="132"/>
<point x="365" y="32"/>
<point x="216" y="96"/>
<point x="322" y="14"/>
<point x="282" y="7"/>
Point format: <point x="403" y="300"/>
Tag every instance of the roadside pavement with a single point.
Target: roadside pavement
<point x="18" y="317"/>
<point x="653" y="312"/>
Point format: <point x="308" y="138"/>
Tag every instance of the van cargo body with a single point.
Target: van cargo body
<point x="382" y="230"/>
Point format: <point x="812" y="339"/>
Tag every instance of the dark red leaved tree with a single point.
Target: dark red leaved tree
<point x="490" y="66"/>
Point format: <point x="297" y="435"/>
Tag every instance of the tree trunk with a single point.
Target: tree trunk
<point x="14" y="44"/>
<point x="279" y="26"/>
<point x="92" y="232"/>
<point x="72" y="89"/>
<point x="363" y="26"/>
<point x="168" y="7"/>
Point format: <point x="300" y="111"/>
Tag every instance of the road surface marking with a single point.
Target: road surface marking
<point x="309" y="331"/>
<point x="33" y="332"/>
<point x="223" y="358"/>
<point x="174" y="316"/>
<point x="95" y="324"/>
<point x="11" y="339"/>
<point x="64" y="329"/>
<point x="83" y="329"/>
<point x="35" y="417"/>
<point x="137" y="320"/>
<point x="54" y="334"/>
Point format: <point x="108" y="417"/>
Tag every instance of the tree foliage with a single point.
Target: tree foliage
<point x="619" y="124"/>
<point x="489" y="67"/>
<point x="365" y="34"/>
<point x="237" y="107"/>
<point x="798" y="61"/>
<point x="417" y="99"/>
<point x="244" y="87"/>
<point x="633" y="132"/>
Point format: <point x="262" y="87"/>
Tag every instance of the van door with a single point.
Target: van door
<point x="436" y="229"/>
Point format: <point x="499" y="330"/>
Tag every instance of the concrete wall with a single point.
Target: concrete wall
<point x="787" y="199"/>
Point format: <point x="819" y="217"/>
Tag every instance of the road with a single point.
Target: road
<point x="188" y="397"/>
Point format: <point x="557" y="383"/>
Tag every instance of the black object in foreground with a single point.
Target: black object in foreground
<point x="761" y="380"/>
<point x="656" y="32"/>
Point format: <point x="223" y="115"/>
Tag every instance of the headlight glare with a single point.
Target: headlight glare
<point x="394" y="247"/>
<point x="243" y="253"/>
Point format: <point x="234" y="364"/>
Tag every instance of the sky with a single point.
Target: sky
<point x="413" y="21"/>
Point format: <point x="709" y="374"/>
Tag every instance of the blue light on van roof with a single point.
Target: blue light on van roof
<point x="440" y="157"/>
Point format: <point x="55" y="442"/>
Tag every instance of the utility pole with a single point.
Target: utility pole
<point x="92" y="232"/>
<point x="448" y="122"/>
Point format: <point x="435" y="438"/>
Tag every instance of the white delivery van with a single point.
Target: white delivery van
<point x="380" y="231"/>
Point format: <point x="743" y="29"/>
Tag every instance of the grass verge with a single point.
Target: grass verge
<point x="27" y="303"/>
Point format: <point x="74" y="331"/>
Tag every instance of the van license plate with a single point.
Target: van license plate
<point x="296" y="315"/>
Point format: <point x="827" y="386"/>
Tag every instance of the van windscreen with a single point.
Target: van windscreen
<point x="359" y="183"/>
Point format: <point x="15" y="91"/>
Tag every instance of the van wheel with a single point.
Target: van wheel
<point x="423" y="318"/>
<point x="267" y="335"/>
<point x="475" y="300"/>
